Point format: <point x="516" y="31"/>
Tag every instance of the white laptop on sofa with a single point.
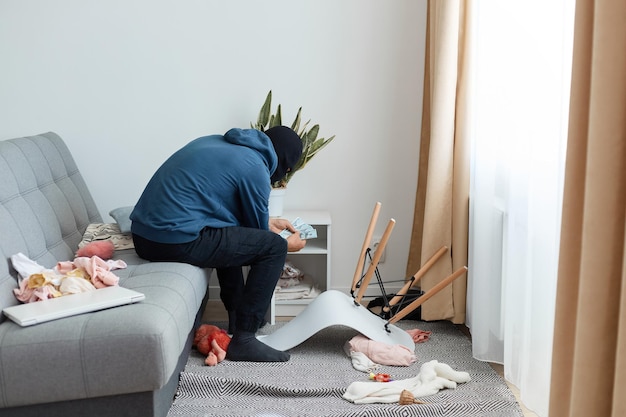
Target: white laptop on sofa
<point x="70" y="305"/>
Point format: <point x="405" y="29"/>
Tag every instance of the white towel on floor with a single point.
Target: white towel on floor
<point x="433" y="376"/>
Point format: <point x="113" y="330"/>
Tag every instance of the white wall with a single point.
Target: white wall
<point x="127" y="82"/>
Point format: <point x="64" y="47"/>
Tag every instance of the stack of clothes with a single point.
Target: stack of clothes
<point x="294" y="285"/>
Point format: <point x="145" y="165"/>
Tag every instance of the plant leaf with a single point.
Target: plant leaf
<point x="278" y="118"/>
<point x="296" y="123"/>
<point x="264" y="113"/>
<point x="318" y="145"/>
<point x="312" y="134"/>
<point x="303" y="131"/>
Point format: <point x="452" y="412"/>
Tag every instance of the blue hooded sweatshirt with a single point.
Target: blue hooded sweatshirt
<point x="213" y="181"/>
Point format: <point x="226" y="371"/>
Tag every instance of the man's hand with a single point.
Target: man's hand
<point x="278" y="225"/>
<point x="294" y="243"/>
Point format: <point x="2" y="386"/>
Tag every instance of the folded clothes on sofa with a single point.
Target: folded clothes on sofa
<point x="107" y="231"/>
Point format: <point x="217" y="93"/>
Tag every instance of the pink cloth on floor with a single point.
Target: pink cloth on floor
<point x="382" y="353"/>
<point x="419" y="336"/>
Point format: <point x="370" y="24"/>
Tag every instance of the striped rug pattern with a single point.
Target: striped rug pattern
<point x="313" y="381"/>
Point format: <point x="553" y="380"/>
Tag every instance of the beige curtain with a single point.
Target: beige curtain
<point x="442" y="202"/>
<point x="589" y="352"/>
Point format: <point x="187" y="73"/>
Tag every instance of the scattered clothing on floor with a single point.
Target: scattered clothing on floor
<point x="419" y="336"/>
<point x="432" y="377"/>
<point x="379" y="352"/>
<point x="362" y="363"/>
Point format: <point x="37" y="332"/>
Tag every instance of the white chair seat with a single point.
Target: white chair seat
<point x="334" y="308"/>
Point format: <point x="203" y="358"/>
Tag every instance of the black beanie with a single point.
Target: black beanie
<point x="288" y="147"/>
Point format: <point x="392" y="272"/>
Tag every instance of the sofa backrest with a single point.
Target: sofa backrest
<point x="45" y="206"/>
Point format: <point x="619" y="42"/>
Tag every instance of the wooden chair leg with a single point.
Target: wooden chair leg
<point x="366" y="242"/>
<point x="428" y="294"/>
<point x="416" y="277"/>
<point x="375" y="260"/>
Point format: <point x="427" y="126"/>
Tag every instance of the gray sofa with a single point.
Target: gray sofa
<point x="123" y="361"/>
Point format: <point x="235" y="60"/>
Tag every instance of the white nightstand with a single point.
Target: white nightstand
<point x="313" y="261"/>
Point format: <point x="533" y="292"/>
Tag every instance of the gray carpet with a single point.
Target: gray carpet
<point x="313" y="381"/>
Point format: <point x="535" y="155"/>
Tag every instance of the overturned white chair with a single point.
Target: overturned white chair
<point x="334" y="308"/>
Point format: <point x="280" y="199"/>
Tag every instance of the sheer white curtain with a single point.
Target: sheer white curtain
<point x="520" y="77"/>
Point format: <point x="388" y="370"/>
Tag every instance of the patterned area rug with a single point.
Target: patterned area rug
<point x="313" y="381"/>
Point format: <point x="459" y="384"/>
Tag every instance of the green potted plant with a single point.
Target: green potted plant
<point x="311" y="144"/>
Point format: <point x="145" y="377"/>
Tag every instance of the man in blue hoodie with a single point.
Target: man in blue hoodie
<point x="207" y="205"/>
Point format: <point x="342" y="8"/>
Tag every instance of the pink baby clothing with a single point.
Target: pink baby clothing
<point x="380" y="352"/>
<point x="419" y="336"/>
<point x="28" y="294"/>
<point x="98" y="269"/>
<point x="68" y="277"/>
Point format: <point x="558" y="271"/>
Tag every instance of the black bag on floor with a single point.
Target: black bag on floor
<point x="412" y="295"/>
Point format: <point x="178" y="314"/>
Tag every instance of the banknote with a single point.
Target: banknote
<point x="306" y="230"/>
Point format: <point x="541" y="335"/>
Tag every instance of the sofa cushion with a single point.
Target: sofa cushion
<point x="121" y="215"/>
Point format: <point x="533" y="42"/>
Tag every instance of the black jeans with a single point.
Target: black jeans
<point x="227" y="250"/>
